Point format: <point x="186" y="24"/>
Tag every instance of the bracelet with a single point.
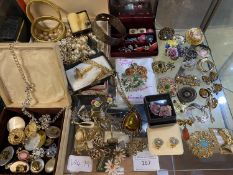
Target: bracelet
<point x="113" y="21"/>
<point x="200" y="66"/>
<point x="50" y="4"/>
<point x="46" y="34"/>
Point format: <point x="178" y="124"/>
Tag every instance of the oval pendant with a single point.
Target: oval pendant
<point x="19" y="167"/>
<point x="132" y="122"/>
<point x="6" y="155"/>
<point x="50" y="165"/>
<point x="32" y="142"/>
<point x="42" y="138"/>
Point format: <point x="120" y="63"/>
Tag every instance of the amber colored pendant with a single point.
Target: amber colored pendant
<point x="185" y="134"/>
<point x="132" y="122"/>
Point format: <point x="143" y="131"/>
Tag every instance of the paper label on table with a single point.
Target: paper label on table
<point x="144" y="161"/>
<point x="120" y="171"/>
<point x="79" y="164"/>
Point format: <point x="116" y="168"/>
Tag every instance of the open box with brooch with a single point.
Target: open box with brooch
<point x="33" y="124"/>
<point x="138" y="17"/>
<point x="159" y="109"/>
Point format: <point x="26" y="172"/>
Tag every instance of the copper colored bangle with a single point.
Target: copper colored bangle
<point x="114" y="22"/>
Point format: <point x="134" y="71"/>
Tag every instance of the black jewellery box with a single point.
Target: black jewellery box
<point x="160" y="100"/>
<point x="138" y="16"/>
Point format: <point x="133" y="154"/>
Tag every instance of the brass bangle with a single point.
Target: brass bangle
<point x="209" y="63"/>
<point x="43" y="18"/>
<point x="52" y="5"/>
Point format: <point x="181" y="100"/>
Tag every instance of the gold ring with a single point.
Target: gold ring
<point x="28" y="8"/>
<point x="16" y="136"/>
<point x="35" y="30"/>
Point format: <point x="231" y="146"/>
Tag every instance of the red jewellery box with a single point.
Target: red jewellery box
<point x="138" y="16"/>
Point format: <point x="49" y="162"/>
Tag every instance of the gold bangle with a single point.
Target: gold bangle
<point x="52" y="5"/>
<point x="37" y="33"/>
<point x="209" y="63"/>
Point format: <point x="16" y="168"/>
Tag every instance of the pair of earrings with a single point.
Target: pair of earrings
<point x="159" y="142"/>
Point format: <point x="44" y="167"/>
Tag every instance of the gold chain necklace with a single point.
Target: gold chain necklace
<point x="132" y="120"/>
<point x="104" y="70"/>
<point x="44" y="120"/>
<point x="120" y="90"/>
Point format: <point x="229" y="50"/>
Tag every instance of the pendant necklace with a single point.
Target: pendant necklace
<point x="132" y="120"/>
<point x="45" y="120"/>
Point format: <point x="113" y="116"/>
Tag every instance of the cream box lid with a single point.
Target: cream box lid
<point x="42" y="65"/>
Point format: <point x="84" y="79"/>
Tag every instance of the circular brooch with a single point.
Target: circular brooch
<point x="167" y="85"/>
<point x="194" y="36"/>
<point x="204" y="93"/>
<point x="166" y="33"/>
<point x="203" y="51"/>
<point x="187" y="94"/>
<point x="16" y="137"/>
<point x="202" y="144"/>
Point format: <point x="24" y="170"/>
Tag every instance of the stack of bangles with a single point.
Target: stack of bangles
<point x="40" y="29"/>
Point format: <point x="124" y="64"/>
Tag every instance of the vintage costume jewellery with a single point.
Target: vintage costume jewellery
<point x="132" y="120"/>
<point x="45" y="120"/>
<point x="113" y="21"/>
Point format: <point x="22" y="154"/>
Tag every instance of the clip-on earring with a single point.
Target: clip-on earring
<point x="158" y="143"/>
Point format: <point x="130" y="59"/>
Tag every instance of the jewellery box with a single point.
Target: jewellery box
<point x="159" y="109"/>
<point x="43" y="68"/>
<point x="138" y="16"/>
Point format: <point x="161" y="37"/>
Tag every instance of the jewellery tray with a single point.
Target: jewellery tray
<point x="137" y="18"/>
<point x="43" y="66"/>
<point x="154" y="120"/>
